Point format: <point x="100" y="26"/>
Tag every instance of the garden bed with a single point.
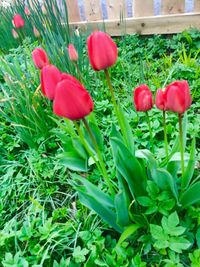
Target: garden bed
<point x="55" y="205"/>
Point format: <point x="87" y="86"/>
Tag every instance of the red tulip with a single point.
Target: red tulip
<point x="178" y="96"/>
<point x="143" y="98"/>
<point x="50" y="76"/>
<point x="73" y="55"/>
<point x="66" y="76"/>
<point x="161" y="100"/>
<point x="40" y="58"/>
<point x="102" y="50"/>
<point x="27" y="11"/>
<point x="18" y="21"/>
<point x="72" y="100"/>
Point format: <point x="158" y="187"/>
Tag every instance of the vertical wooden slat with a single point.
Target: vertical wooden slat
<point x="196" y="5"/>
<point x="143" y="8"/>
<point x="172" y="7"/>
<point x="116" y="8"/>
<point x="93" y="10"/>
<point x="73" y="10"/>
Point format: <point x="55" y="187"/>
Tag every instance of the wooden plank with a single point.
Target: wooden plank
<point x="117" y="9"/>
<point x="172" y="6"/>
<point x="93" y="10"/>
<point x="73" y="11"/>
<point x="196" y="5"/>
<point x="165" y="24"/>
<point x="143" y="8"/>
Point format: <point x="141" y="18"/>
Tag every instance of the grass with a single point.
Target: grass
<point x="42" y="222"/>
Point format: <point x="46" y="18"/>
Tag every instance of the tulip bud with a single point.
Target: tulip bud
<point x="27" y="11"/>
<point x="50" y="76"/>
<point x="143" y="98"/>
<point x="18" y="21"/>
<point x="73" y="55"/>
<point x="40" y="58"/>
<point x="44" y="11"/>
<point x="36" y="32"/>
<point x="15" y="34"/>
<point x="178" y="96"/>
<point x="77" y="33"/>
<point x="72" y="100"/>
<point x="102" y="50"/>
<point x="161" y="101"/>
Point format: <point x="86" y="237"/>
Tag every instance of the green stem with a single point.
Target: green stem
<point x="80" y="133"/>
<point x="79" y="72"/>
<point x="117" y="111"/>
<point x="165" y="134"/>
<point x="150" y="130"/>
<point x="181" y="143"/>
<point x="105" y="175"/>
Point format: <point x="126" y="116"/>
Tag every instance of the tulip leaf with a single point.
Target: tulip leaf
<point x="73" y="161"/>
<point x="123" y="198"/>
<point x="93" y="198"/>
<point x="191" y="195"/>
<point x="188" y="174"/>
<point x="160" y="176"/>
<point x="127" y="130"/>
<point x="130" y="168"/>
<point x="131" y="229"/>
<point x="122" y="202"/>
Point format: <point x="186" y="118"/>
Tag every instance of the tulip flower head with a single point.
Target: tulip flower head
<point x="50" y="76"/>
<point x="73" y="55"/>
<point x="178" y="96"/>
<point x="40" y="58"/>
<point x="27" y="11"/>
<point x="143" y="99"/>
<point x="18" y="21"/>
<point x="161" y="100"/>
<point x="72" y="100"/>
<point x="102" y="50"/>
<point x="15" y="34"/>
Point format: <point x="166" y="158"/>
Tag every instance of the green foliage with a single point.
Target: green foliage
<point x="42" y="223"/>
<point x="169" y="234"/>
<point x="195" y="258"/>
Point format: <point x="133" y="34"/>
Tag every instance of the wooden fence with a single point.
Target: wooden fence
<point x="135" y="16"/>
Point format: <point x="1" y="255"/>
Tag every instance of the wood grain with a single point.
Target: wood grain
<point x="93" y="10"/>
<point x="196" y="5"/>
<point x="116" y="9"/>
<point x="172" y="6"/>
<point x="143" y="8"/>
<point x="73" y="10"/>
<point x="164" y="24"/>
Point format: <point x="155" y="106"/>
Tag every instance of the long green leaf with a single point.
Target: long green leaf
<point x="191" y="195"/>
<point x="87" y="187"/>
<point x="188" y="174"/>
<point x="131" y="229"/>
<point x="93" y="198"/>
<point x="130" y="168"/>
<point x="73" y="161"/>
<point x="122" y="202"/>
<point x="160" y="176"/>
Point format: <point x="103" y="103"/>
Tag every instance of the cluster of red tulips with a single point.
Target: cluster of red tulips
<point x="175" y="97"/>
<point x="18" y="23"/>
<point x="72" y="100"/>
